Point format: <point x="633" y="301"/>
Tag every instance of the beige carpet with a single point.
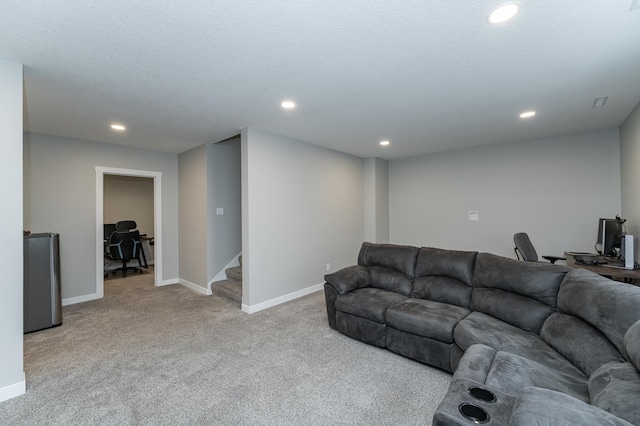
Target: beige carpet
<point x="169" y="356"/>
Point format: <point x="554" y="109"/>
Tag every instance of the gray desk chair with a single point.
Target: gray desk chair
<point x="525" y="250"/>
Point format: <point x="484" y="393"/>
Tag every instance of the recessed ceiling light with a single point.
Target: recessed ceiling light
<point x="527" y="114"/>
<point x="503" y="13"/>
<point x="384" y="143"/>
<point x="118" y="127"/>
<point x="288" y="104"/>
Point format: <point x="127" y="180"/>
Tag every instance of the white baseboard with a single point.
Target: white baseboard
<point x="79" y="299"/>
<point x="251" y="309"/>
<point x="13" y="390"/>
<point x="169" y="282"/>
<point x="195" y="287"/>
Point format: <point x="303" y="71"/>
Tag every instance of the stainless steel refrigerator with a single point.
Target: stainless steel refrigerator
<point x="42" y="298"/>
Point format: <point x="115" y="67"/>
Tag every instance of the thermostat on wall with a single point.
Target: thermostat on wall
<point x="474" y="215"/>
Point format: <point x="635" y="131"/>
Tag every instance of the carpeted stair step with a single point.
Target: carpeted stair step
<point x="234" y="274"/>
<point x="229" y="289"/>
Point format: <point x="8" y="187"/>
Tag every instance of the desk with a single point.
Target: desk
<point x="144" y="237"/>
<point x="624" y="274"/>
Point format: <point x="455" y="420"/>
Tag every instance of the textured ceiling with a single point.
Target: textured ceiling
<point x="430" y="76"/>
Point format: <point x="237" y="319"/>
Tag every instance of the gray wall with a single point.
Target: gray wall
<point x="209" y="177"/>
<point x="554" y="189"/>
<point x="61" y="196"/>
<point x="11" y="327"/>
<point x="192" y="166"/>
<point x="302" y="208"/>
<point x="630" y="173"/>
<point x="129" y="197"/>
<point x="376" y="200"/>
<point x="223" y="191"/>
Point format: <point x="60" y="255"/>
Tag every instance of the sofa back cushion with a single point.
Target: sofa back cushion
<point x="610" y="306"/>
<point x="390" y="266"/>
<point x="520" y="293"/>
<point x="390" y="279"/>
<point x="615" y="387"/>
<point x="580" y="342"/>
<point x="400" y="258"/>
<point x="632" y="344"/>
<point x="444" y="276"/>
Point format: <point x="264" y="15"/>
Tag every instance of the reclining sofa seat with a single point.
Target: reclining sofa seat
<point x="544" y="336"/>
<point x="383" y="277"/>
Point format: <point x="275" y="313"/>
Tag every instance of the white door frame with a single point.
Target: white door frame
<point x="157" y="221"/>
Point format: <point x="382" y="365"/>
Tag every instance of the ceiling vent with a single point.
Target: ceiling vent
<point x="599" y="102"/>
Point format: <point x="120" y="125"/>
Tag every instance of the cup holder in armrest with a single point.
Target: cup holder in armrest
<point x="482" y="394"/>
<point x="473" y="413"/>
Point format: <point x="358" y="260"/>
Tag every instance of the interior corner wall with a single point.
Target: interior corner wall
<point x="302" y="209"/>
<point x="376" y="200"/>
<point x="62" y="199"/>
<point x="11" y="173"/>
<point x="630" y="173"/>
<point x="555" y="189"/>
<point x="224" y="191"/>
<point x="192" y="189"/>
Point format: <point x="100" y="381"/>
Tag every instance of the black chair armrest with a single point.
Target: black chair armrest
<point x="349" y="279"/>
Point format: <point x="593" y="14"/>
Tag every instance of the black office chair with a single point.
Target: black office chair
<point x="130" y="225"/>
<point x="124" y="246"/>
<point x="126" y="225"/>
<point x="525" y="251"/>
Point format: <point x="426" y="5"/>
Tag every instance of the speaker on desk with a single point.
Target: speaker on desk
<point x="627" y="251"/>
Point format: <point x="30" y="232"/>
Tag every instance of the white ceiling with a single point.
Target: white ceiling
<point x="428" y="75"/>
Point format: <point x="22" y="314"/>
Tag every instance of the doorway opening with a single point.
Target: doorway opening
<point x="101" y="172"/>
<point x="129" y="199"/>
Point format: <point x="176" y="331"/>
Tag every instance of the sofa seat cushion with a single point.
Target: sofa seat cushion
<point x="615" y="387"/>
<point x="510" y="373"/>
<point x="426" y="318"/>
<point x="369" y="303"/>
<point x="481" y="328"/>
<point x="543" y="407"/>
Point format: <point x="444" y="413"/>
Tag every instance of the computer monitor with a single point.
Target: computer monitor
<point x="599" y="237"/>
<point x="611" y="235"/>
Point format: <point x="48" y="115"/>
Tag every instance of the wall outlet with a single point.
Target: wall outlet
<point x="328" y="266"/>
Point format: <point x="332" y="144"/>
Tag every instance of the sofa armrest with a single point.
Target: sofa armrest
<point x="537" y="406"/>
<point x="349" y="279"/>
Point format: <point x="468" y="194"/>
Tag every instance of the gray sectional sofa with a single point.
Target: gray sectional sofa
<point x="527" y="343"/>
